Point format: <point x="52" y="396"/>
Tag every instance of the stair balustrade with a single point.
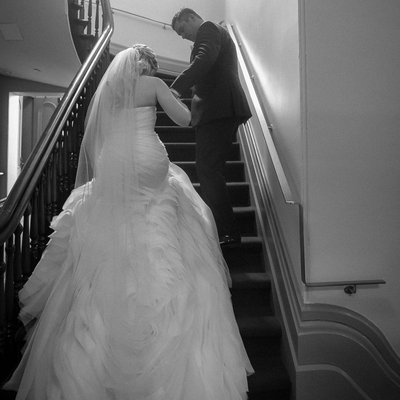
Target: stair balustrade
<point x="40" y="190"/>
<point x="85" y="30"/>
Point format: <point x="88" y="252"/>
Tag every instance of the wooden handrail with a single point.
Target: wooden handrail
<point x="17" y="201"/>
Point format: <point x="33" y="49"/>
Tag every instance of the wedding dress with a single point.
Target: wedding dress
<point x="132" y="293"/>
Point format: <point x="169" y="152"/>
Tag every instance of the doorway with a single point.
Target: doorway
<point x="29" y="114"/>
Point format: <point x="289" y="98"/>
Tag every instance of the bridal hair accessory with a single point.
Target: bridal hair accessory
<point x="147" y="61"/>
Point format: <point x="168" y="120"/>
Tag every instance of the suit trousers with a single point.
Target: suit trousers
<point x="213" y="146"/>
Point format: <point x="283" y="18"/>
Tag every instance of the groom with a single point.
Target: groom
<point x="219" y="106"/>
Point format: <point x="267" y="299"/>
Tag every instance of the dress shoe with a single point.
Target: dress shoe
<point x="229" y="241"/>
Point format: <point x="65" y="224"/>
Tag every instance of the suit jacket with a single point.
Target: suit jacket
<point x="213" y="74"/>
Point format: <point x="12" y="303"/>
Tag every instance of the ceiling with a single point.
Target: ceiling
<point x="35" y="41"/>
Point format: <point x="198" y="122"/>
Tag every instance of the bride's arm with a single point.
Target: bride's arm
<point x="174" y="108"/>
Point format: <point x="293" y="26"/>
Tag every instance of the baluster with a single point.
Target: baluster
<point x="9" y="294"/>
<point x="49" y="194"/>
<point x="82" y="10"/>
<point x="55" y="175"/>
<point x="69" y="145"/>
<point x="65" y="166"/>
<point x="52" y="171"/>
<point x="96" y="24"/>
<point x="89" y="25"/>
<point x="43" y="226"/>
<point x="34" y="233"/>
<point x="3" y="322"/>
<point x="59" y="170"/>
<point x="63" y="169"/>
<point x="76" y="138"/>
<point x="18" y="278"/>
<point x="26" y="249"/>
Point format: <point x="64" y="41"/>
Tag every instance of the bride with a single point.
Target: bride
<point x="130" y="299"/>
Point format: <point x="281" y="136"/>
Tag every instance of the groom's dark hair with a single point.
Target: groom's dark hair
<point x="183" y="14"/>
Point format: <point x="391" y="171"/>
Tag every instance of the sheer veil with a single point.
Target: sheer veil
<point x="110" y="118"/>
<point x="106" y="236"/>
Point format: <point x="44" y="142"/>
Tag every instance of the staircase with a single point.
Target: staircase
<point x="251" y="288"/>
<point x="85" y="24"/>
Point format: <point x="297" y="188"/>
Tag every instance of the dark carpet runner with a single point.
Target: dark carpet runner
<point x="251" y="288"/>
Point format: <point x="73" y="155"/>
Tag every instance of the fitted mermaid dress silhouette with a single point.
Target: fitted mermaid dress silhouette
<point x="132" y="293"/>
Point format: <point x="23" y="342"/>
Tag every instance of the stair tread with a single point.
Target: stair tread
<point x="76" y="6"/>
<point x="269" y="379"/>
<point x="80" y="21"/>
<point x="254" y="280"/>
<point x="260" y="326"/>
<point x="174" y="127"/>
<point x="230" y="183"/>
<point x="237" y="162"/>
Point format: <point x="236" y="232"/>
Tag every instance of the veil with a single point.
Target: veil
<point x="110" y="110"/>
<point x="109" y="218"/>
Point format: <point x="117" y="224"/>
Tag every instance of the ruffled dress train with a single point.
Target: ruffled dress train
<point x="132" y="302"/>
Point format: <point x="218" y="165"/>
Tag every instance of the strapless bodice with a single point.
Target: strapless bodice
<point x="145" y="117"/>
<point x="133" y="152"/>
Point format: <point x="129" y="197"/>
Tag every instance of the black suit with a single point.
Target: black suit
<point x="218" y="107"/>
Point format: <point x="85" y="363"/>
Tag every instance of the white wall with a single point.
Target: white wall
<point x="353" y="164"/>
<point x="336" y="126"/>
<point x="165" y="42"/>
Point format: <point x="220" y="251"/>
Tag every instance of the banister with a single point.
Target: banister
<point x="350" y="286"/>
<point x="266" y="126"/>
<point x="14" y="206"/>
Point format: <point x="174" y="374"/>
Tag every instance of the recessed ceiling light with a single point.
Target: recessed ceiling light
<point x="10" y="32"/>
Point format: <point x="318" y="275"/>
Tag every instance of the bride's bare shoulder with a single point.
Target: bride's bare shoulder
<point x="150" y="80"/>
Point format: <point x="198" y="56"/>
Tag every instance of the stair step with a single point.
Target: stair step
<point x="234" y="170"/>
<point x="266" y="327"/>
<point x="262" y="340"/>
<point x="271" y="383"/>
<point x="186" y="152"/>
<point x="75" y="6"/>
<point x="251" y="280"/>
<point x="246" y="258"/>
<point x="239" y="193"/>
<point x="251" y="294"/>
<point x="176" y="134"/>
<point x="252" y="304"/>
<point x="163" y="119"/>
<point x="246" y="219"/>
<point x="78" y="26"/>
<point x="86" y="37"/>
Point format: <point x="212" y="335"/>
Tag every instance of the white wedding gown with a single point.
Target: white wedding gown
<point x="132" y="302"/>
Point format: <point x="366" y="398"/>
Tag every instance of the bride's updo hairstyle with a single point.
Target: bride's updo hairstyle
<point x="148" y="64"/>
